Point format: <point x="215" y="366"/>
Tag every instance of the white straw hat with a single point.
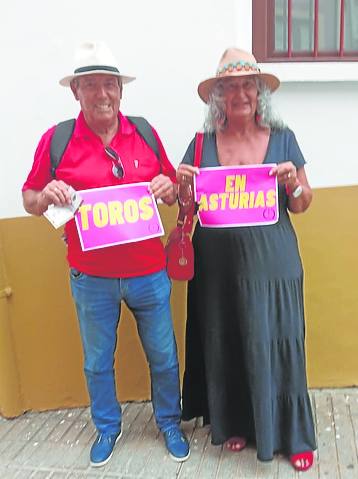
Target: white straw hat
<point x="236" y="63"/>
<point x="94" y="57"/>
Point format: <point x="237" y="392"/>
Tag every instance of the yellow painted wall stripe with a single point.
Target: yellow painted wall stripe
<point x="40" y="351"/>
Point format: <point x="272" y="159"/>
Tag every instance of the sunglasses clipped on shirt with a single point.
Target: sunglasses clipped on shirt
<point x="117" y="165"/>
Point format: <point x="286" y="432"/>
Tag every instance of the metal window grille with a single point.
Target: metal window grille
<point x="305" y="30"/>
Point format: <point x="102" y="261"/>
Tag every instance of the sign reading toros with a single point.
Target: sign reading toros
<point x="116" y="215"/>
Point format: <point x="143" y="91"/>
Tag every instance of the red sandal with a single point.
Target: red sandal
<point x="235" y="443"/>
<point x="302" y="461"/>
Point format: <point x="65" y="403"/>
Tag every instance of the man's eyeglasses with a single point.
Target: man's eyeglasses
<point x="117" y="168"/>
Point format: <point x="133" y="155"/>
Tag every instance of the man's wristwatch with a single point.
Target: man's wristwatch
<point x="297" y="191"/>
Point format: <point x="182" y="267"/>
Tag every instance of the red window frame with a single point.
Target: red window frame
<point x="263" y="34"/>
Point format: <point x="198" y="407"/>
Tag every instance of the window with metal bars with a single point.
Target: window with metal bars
<point x="305" y="30"/>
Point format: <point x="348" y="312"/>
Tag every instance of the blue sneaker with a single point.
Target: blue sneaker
<point x="177" y="444"/>
<point x="102" y="448"/>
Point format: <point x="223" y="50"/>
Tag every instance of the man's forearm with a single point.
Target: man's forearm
<point x="33" y="202"/>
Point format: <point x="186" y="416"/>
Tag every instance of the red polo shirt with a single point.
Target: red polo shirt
<point x="85" y="165"/>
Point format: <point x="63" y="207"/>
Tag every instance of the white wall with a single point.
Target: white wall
<point x="319" y="101"/>
<point x="324" y="117"/>
<point x="170" y="46"/>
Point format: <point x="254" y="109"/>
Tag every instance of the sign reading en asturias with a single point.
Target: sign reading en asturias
<point x="236" y="196"/>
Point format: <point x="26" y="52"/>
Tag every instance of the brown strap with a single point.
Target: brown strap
<point x="185" y="220"/>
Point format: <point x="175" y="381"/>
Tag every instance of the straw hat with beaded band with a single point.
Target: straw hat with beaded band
<point x="236" y="63"/>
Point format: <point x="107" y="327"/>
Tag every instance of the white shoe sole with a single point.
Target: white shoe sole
<point x="179" y="459"/>
<point x="103" y="463"/>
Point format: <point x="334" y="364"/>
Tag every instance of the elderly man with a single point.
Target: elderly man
<point x="106" y="150"/>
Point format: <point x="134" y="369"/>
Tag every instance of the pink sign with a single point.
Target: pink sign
<point x="116" y="215"/>
<point x="236" y="196"/>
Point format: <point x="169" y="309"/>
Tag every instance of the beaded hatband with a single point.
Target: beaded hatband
<point x="237" y="66"/>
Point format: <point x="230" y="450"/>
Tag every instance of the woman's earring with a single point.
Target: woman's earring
<point x="257" y="118"/>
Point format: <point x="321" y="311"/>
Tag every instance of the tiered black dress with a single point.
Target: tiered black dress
<point x="245" y="354"/>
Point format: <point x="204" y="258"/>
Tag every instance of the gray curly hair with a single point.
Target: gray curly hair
<point x="216" y="115"/>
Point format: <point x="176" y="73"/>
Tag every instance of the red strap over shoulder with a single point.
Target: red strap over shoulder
<point x="199" y="140"/>
<point x="185" y="218"/>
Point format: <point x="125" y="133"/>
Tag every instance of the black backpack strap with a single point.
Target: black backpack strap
<point x="146" y="132"/>
<point x="64" y="130"/>
<point x="59" y="142"/>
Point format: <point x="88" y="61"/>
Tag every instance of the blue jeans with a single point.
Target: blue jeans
<point x="98" y="303"/>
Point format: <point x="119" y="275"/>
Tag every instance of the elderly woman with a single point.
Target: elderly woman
<point x="245" y="354"/>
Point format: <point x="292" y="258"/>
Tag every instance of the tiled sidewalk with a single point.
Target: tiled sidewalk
<point x="56" y="444"/>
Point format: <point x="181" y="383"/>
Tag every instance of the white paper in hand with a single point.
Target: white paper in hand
<point x="59" y="215"/>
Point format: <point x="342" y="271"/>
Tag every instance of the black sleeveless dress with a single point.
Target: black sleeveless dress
<point x="245" y="369"/>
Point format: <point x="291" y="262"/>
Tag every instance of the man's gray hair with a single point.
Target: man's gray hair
<point x="216" y="113"/>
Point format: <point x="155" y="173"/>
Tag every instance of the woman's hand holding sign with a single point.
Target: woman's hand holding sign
<point x="286" y="174"/>
<point x="297" y="187"/>
<point x="185" y="173"/>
